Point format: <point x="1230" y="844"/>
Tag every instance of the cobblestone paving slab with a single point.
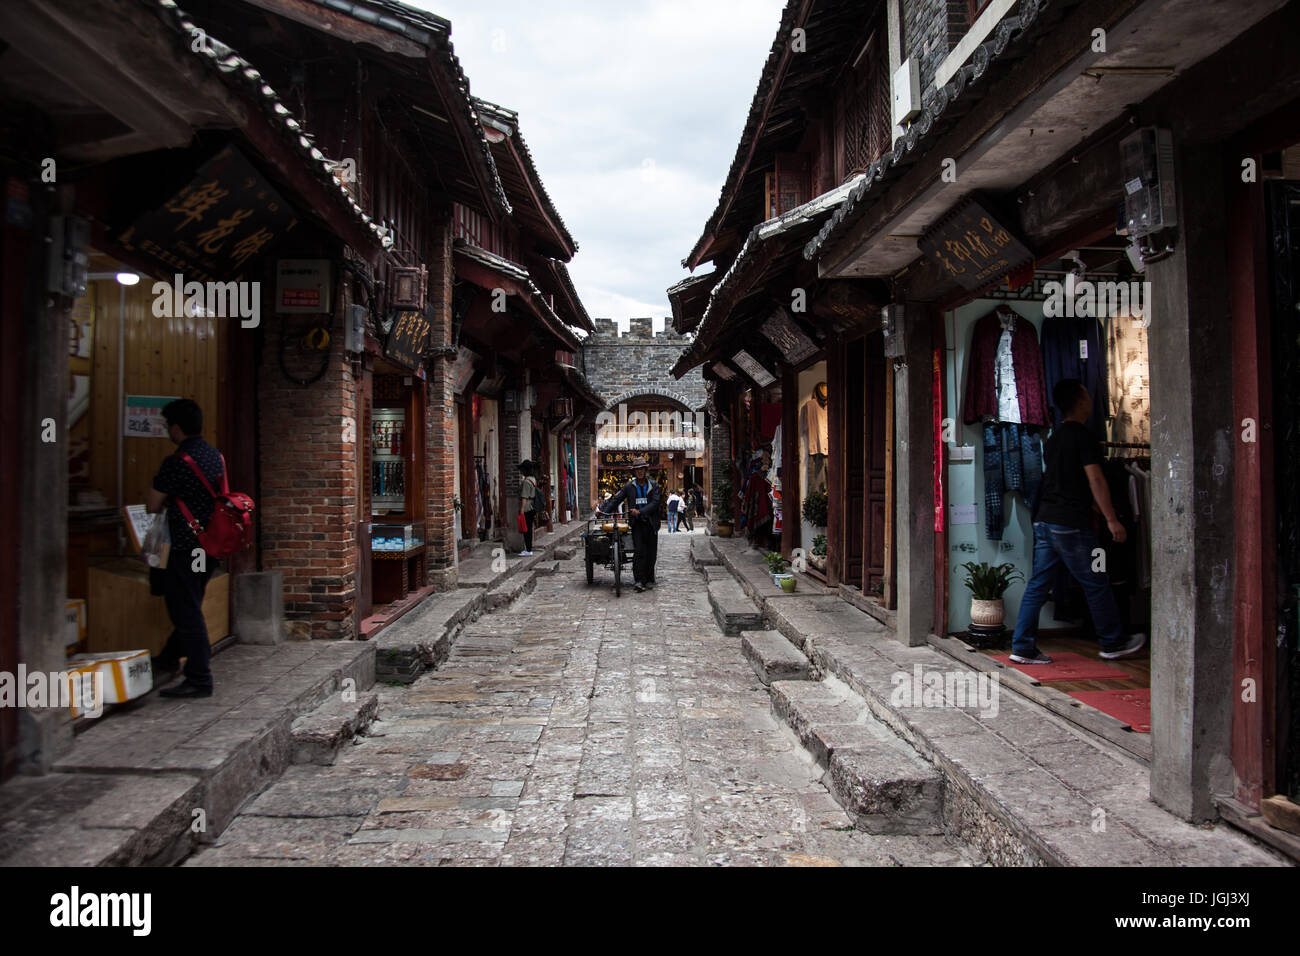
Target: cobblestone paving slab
<point x="573" y="728"/>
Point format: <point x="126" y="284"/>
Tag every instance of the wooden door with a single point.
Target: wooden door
<point x="876" y="516"/>
<point x="853" y="401"/>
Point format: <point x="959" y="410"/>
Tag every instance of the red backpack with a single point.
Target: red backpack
<point x="230" y="529"/>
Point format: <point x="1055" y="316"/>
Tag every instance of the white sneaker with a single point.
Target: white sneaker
<point x="1135" y="643"/>
<point x="525" y="554"/>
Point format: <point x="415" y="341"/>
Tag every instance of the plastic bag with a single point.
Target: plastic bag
<point x="158" y="542"/>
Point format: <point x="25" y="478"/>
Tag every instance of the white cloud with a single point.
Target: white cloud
<point x="632" y="114"/>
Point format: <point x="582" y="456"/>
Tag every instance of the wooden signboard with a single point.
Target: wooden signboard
<point x="216" y="226"/>
<point x="624" y="459"/>
<point x="781" y="331"/>
<point x="973" y="247"/>
<point x="407" y="339"/>
<point x="761" y="376"/>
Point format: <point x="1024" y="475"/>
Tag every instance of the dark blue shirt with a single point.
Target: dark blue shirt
<point x="176" y="479"/>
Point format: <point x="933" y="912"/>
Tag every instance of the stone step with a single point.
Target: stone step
<point x="879" y="780"/>
<point x="773" y="657"/>
<point x="732" y="608"/>
<point x="319" y="736"/>
<point x="702" y="553"/>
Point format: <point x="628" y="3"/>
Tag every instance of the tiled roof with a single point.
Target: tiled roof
<point x="241" y="75"/>
<point x="938" y="114"/>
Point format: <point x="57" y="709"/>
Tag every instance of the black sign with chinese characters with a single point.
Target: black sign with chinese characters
<point x="624" y="459"/>
<point x="782" y="332"/>
<point x="973" y="247"/>
<point x="407" y="339"/>
<point x="214" y="228"/>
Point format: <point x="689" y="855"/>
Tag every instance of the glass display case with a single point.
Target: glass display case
<point x="388" y="460"/>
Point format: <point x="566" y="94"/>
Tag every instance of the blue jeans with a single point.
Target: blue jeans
<point x="672" y="521"/>
<point x="1055" y="544"/>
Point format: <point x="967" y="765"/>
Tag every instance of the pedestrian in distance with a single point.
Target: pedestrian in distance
<point x="684" y="512"/>
<point x="528" y="504"/>
<point x="674" y="508"/>
<point x="1073" y="484"/>
<point x="642" y="497"/>
<point x="181" y="586"/>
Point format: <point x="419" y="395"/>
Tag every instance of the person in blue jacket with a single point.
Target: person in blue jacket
<point x="642" y="497"/>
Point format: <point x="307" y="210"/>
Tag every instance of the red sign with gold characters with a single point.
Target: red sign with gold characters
<point x="973" y="247"/>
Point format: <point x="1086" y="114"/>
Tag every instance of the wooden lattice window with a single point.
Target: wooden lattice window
<point x="865" y="110"/>
<point x="790" y="185"/>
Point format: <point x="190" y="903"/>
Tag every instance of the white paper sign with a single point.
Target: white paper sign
<point x="143" y="416"/>
<point x="962" y="514"/>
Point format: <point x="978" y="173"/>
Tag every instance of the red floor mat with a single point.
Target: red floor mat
<point x="1131" y="706"/>
<point x="1066" y="666"/>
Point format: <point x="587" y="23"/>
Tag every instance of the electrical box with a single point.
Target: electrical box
<point x="907" y="92"/>
<point x="892" y="330"/>
<point x="302" y="286"/>
<point x="354" y="328"/>
<point x="1150" y="202"/>
<point x="68" y="264"/>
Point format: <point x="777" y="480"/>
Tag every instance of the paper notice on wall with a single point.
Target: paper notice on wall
<point x="143" y="416"/>
<point x="962" y="514"/>
<point x="138" y="521"/>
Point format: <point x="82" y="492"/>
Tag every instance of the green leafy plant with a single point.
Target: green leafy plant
<point x="819" y="546"/>
<point x="775" y="563"/>
<point x="988" y="582"/>
<point x="816" y="508"/>
<point x="722" y="505"/>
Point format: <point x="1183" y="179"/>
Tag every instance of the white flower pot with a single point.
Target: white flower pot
<point x="987" y="613"/>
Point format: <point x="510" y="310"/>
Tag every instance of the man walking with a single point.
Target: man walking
<point x="642" y="497"/>
<point x="674" y="509"/>
<point x="182" y="586"/>
<point x="1072" y="483"/>
<point x="684" y="513"/>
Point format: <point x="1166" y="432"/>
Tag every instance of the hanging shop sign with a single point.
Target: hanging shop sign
<point x="144" y="418"/>
<point x="624" y="459"/>
<point x="973" y="247"/>
<point x="216" y="226"/>
<point x="407" y="338"/>
<point x="781" y="331"/>
<point x="761" y="376"/>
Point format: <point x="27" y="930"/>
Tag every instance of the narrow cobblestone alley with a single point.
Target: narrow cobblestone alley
<point x="572" y="728"/>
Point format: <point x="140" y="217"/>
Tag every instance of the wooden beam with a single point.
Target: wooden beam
<point x="331" y="22"/>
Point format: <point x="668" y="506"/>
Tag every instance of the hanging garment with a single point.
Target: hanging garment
<point x="813" y="433"/>
<point x="982" y="386"/>
<point x="1005" y="377"/>
<point x="1074" y="348"/>
<point x="1130" y="391"/>
<point x="774" y="473"/>
<point x="1140" y="501"/>
<point x="1013" y="461"/>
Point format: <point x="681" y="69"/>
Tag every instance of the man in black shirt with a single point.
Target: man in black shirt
<point x="642" y="496"/>
<point x="182" y="585"/>
<point x="1072" y="483"/>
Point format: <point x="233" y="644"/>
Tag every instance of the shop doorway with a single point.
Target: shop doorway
<point x="864" y="489"/>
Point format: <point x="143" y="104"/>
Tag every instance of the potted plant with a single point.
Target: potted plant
<point x="816" y="508"/>
<point x="779" y="568"/>
<point x="987" y="583"/>
<point x="722" y="505"/>
<point x="818" y="557"/>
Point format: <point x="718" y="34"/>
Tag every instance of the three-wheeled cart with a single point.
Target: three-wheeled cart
<point x="608" y="542"/>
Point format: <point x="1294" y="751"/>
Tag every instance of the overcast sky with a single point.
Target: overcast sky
<point x="632" y="112"/>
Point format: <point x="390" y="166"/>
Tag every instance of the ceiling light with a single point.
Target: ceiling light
<point x="128" y="278"/>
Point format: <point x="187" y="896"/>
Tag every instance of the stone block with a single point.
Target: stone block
<point x="773" y="657"/>
<point x="318" y="736"/>
<point x="887" y="790"/>
<point x="259" y="607"/>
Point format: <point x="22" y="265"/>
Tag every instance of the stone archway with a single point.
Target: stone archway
<point x="676" y="398"/>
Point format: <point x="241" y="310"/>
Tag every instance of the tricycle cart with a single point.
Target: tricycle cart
<point x="608" y="542"/>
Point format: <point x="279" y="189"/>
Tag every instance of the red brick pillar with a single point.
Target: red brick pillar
<point x="308" y="490"/>
<point x="440" y="417"/>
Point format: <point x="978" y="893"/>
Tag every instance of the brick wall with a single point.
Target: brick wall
<point x="639" y="362"/>
<point x="308" y="488"/>
<point x="931" y="28"/>
<point x="440" y="416"/>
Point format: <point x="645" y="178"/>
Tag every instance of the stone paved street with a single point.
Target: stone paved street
<point x="572" y="728"/>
